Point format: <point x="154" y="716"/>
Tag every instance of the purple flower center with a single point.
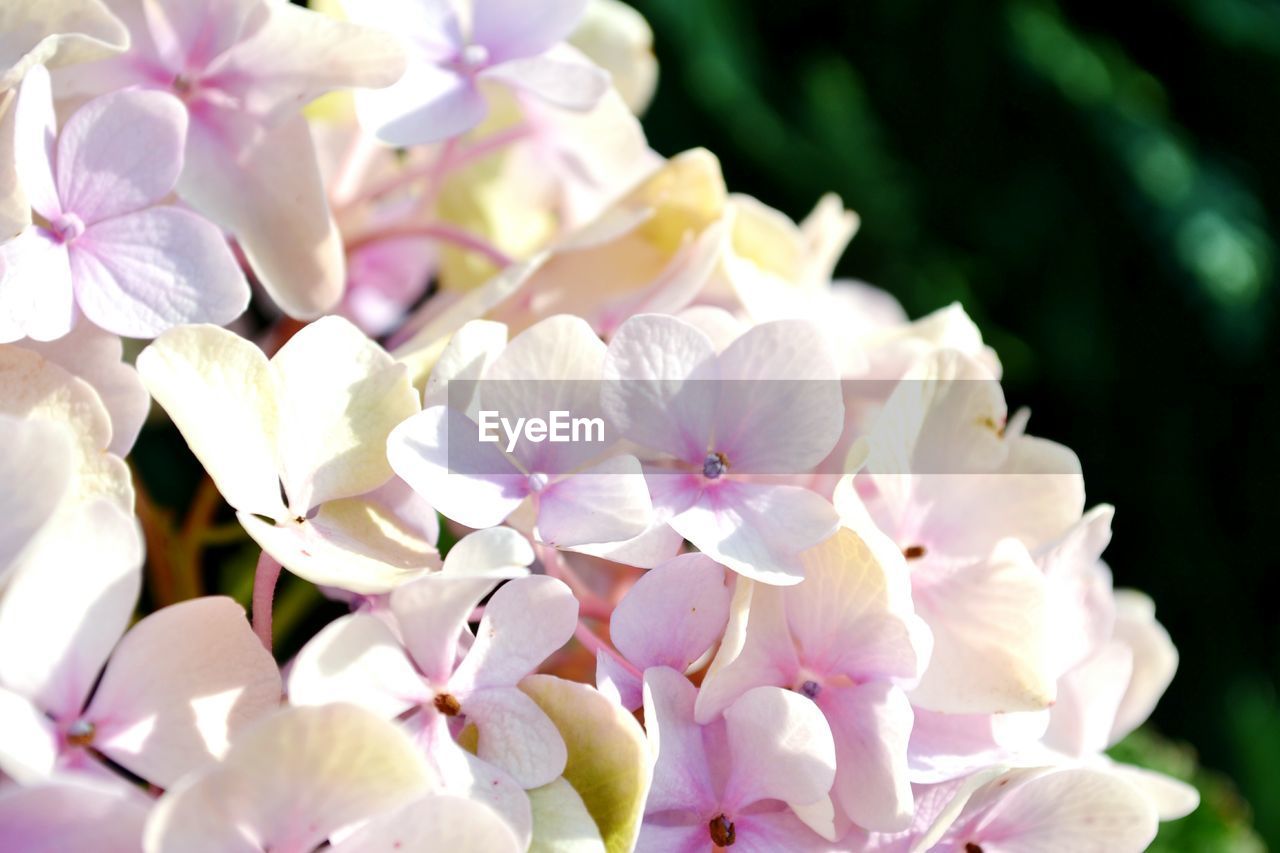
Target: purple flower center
<point x="538" y="481"/>
<point x="67" y="227"/>
<point x="811" y="689"/>
<point x="714" y="465"/>
<point x="470" y="60"/>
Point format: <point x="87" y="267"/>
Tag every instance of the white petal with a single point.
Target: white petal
<point x="218" y="389"/>
<point x="439" y="454"/>
<point x="97" y="357"/>
<point x="526" y="621"/>
<point x="180" y="686"/>
<point x="569" y="81"/>
<point x="990" y="650"/>
<point x="32" y="386"/>
<point x="67" y="606"/>
<point x="37" y="455"/>
<point x="356" y="659"/>
<point x="780" y="748"/>
<point x="561" y="820"/>
<point x="266" y="189"/>
<point x="55" y="34"/>
<point x="435" y="822"/>
<point x="290" y="782"/>
<point x="339" y="395"/>
<point x="28" y="743"/>
<point x="34" y="132"/>
<point x="353" y="544"/>
<point x="35" y="288"/>
<point x="516" y="735"/>
<point x="492" y="552"/>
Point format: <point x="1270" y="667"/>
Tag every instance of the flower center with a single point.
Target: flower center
<point x="471" y="59"/>
<point x="722" y="832"/>
<point x="80" y="733"/>
<point x="538" y="481"/>
<point x="67" y="227"/>
<point x="448" y="704"/>
<point x="811" y="688"/>
<point x="714" y="465"/>
<point x="914" y="552"/>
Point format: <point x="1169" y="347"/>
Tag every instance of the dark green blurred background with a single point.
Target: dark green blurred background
<point x="1099" y="184"/>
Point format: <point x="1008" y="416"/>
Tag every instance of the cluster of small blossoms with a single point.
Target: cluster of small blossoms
<point x="809" y="585"/>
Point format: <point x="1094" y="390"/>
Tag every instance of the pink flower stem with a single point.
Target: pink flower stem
<point x="595" y="645"/>
<point x="590" y="605"/>
<point x="264" y="590"/>
<point x="441" y="233"/>
<point x="447" y="161"/>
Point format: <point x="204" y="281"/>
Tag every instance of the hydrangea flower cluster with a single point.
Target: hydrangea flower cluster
<point x="809" y="586"/>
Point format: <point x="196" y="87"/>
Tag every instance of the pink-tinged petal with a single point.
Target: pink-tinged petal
<point x="608" y="502"/>
<point x="439" y="454"/>
<point x="659" y="385"/>
<point x="1079" y="586"/>
<point x="350" y="544"/>
<point x="67" y="606"/>
<point x="432" y="613"/>
<point x="1088" y="698"/>
<point x="36" y="454"/>
<point x="428" y="104"/>
<point x="218" y="389"/>
<point x="357" y="659"/>
<point x="620" y="683"/>
<point x="34" y="134"/>
<point x="265" y="188"/>
<point x="296" y="55"/>
<point x="56" y="35"/>
<point x="436" y="822"/>
<point x="495" y="552"/>
<point x="28" y="743"/>
<point x="844" y="618"/>
<point x="525" y="622"/>
<point x="98" y="358"/>
<point x="768" y="832"/>
<point x="290" y="782"/>
<point x="674" y="613"/>
<point x="775" y="368"/>
<point x="72" y="814"/>
<point x="143" y="273"/>
<point x="189" y="35"/>
<point x="758" y="530"/>
<point x="948" y="746"/>
<point x="871" y="724"/>
<point x="515" y="735"/>
<point x="1172" y="798"/>
<point x="432" y="25"/>
<point x="1078" y="810"/>
<point x="681" y="777"/>
<point x="780" y="748"/>
<point x="990" y="649"/>
<point x="120" y="153"/>
<point x="569" y="81"/>
<point x="512" y="28"/>
<point x="180" y="686"/>
<point x="1155" y="660"/>
<point x="35" y="288"/>
<point x="757" y="650"/>
<point x="679" y="838"/>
